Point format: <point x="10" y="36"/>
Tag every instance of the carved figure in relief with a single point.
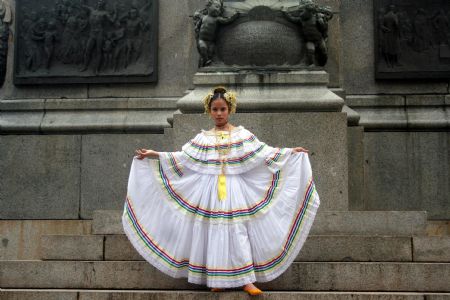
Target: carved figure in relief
<point x="206" y="23"/>
<point x="5" y="19"/>
<point x="134" y="25"/>
<point x="313" y="20"/>
<point x="441" y="26"/>
<point x="97" y="19"/>
<point x="50" y="35"/>
<point x="391" y="33"/>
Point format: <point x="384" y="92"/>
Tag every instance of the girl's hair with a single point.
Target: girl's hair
<point x="220" y="93"/>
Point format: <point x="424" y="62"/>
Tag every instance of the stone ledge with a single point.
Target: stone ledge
<point x="109" y="115"/>
<point x="396" y="112"/>
<point x="262" y="77"/>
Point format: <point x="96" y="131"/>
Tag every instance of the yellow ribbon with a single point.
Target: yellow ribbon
<point x="222" y="187"/>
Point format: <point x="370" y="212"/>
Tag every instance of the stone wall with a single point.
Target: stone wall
<point x="409" y="118"/>
<point x="407" y="125"/>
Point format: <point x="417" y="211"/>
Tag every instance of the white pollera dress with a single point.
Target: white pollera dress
<point x="174" y="218"/>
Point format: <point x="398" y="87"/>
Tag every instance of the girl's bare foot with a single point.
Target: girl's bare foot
<point x="251" y="289"/>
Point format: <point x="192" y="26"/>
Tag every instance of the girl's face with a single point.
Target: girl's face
<point x="219" y="112"/>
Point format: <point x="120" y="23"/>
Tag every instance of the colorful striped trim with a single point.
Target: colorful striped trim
<point x="232" y="161"/>
<point x="174" y="164"/>
<point x="206" y="148"/>
<point x="171" y="262"/>
<point x="245" y="212"/>
<point x="276" y="156"/>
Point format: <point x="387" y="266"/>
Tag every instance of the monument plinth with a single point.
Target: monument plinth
<point x="267" y="91"/>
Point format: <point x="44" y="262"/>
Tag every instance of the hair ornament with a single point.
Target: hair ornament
<point x="228" y="96"/>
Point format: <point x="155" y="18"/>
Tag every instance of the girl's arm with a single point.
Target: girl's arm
<point x="143" y="153"/>
<point x="300" y="149"/>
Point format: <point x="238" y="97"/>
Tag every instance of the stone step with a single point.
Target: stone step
<point x="431" y="249"/>
<point x="206" y="295"/>
<point x="316" y="248"/>
<point x="394" y="223"/>
<point x="300" y="276"/>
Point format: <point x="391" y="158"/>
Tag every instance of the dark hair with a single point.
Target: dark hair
<point x="218" y="93"/>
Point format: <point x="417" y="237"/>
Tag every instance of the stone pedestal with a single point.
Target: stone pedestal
<point x="282" y="109"/>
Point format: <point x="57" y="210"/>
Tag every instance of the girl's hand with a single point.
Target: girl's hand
<point x="300" y="149"/>
<point x="143" y="153"/>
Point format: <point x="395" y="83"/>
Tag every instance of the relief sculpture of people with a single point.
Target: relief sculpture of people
<point x="413" y="39"/>
<point x="5" y="20"/>
<point x="313" y="25"/>
<point x="86" y="38"/>
<point x="206" y="23"/>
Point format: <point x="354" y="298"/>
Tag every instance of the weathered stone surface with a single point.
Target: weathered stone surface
<point x="22" y="239"/>
<point x="72" y="247"/>
<point x="294" y="91"/>
<point x="356" y="248"/>
<point x="438" y="228"/>
<point x="396" y="223"/>
<point x="408" y="171"/>
<point x="431" y="249"/>
<point x="234" y="295"/>
<point x="40" y="177"/>
<point x="117" y="247"/>
<point x="107" y="222"/>
<point x="81" y="121"/>
<point x="392" y="118"/>
<point x="419" y="277"/>
<point x="334" y="43"/>
<point x="12" y="122"/>
<point x="316" y="248"/>
<point x="38" y="295"/>
<point x="375" y="100"/>
<point x="424" y="112"/>
<point x="425" y="100"/>
<point x="355" y="138"/>
<point x="358" y="56"/>
<point x="105" y="165"/>
<point x="352" y="116"/>
<point x="324" y="134"/>
<point x="86" y="115"/>
<point x="207" y="295"/>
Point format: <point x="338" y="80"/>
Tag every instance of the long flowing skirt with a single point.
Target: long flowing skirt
<point x="175" y="220"/>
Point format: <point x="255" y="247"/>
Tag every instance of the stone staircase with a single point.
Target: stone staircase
<point x="353" y="254"/>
